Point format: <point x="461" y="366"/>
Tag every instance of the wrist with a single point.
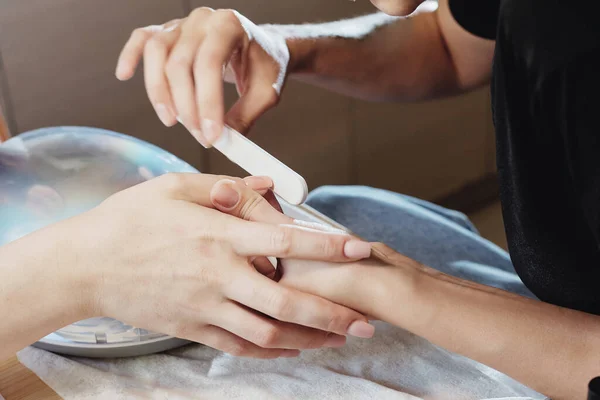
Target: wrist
<point x="66" y="260"/>
<point x="399" y="291"/>
<point x="39" y="288"/>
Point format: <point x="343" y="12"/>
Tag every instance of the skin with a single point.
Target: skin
<point x="428" y="55"/>
<point x="159" y="256"/>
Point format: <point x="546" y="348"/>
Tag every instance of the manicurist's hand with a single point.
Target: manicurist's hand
<point x="184" y="65"/>
<point x="159" y="256"/>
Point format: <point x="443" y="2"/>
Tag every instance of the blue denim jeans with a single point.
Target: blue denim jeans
<point x="440" y="238"/>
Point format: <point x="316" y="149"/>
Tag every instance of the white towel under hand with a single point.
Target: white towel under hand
<point x="394" y="365"/>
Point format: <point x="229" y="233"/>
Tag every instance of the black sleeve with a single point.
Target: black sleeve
<point x="479" y="17"/>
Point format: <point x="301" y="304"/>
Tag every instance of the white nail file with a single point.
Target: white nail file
<point x="287" y="184"/>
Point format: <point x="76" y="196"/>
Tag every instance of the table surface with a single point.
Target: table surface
<point x="19" y="383"/>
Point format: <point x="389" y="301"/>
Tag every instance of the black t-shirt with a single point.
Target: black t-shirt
<point x="545" y="90"/>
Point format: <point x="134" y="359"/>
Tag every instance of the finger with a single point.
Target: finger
<point x="181" y="82"/>
<point x="289" y="305"/>
<point x="225" y="341"/>
<point x="265" y="266"/>
<point x="132" y="52"/>
<point x="257" y="100"/>
<point x="190" y="187"/>
<point x="293" y="241"/>
<point x="225" y="34"/>
<point x="263" y="185"/>
<point x="240" y="200"/>
<point x="258" y="95"/>
<point x="269" y="333"/>
<point x="156" y="52"/>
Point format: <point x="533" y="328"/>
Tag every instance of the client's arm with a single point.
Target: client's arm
<point x="551" y="349"/>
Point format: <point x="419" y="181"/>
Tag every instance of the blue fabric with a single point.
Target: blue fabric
<point x="440" y="238"/>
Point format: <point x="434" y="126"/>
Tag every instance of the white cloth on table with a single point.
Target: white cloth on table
<point x="394" y="365"/>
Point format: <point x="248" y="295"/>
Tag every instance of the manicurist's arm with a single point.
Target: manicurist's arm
<point x="380" y="57"/>
<point x="375" y="57"/>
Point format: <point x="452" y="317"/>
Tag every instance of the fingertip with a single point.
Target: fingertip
<point x="224" y="195"/>
<point x="123" y="72"/>
<point x="259" y="183"/>
<point x="357" y="249"/>
<point x="211" y="129"/>
<point x="361" y="329"/>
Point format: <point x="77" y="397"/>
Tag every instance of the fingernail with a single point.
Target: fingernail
<point x="210" y="130"/>
<point x="334" y="341"/>
<point x="164" y="115"/>
<point x="290" y="353"/>
<point x="361" y="329"/>
<point x="226" y="195"/>
<point x="200" y="138"/>
<point x="357" y="249"/>
<point x="259" y="182"/>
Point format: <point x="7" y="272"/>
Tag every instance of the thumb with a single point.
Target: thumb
<point x="255" y="101"/>
<point x="241" y="201"/>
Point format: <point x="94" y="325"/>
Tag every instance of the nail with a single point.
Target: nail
<point x="334" y="341"/>
<point x="273" y="261"/>
<point x="361" y="329"/>
<point x="200" y="138"/>
<point x="357" y="249"/>
<point x="290" y="353"/>
<point x="210" y="130"/>
<point x="225" y="194"/>
<point x="259" y="182"/>
<point x="164" y="115"/>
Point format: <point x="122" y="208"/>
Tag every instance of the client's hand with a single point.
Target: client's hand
<point x="158" y="256"/>
<point x="365" y="285"/>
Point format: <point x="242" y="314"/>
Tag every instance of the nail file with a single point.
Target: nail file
<point x="287" y="184"/>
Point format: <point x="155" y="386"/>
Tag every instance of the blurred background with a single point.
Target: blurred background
<point x="57" y="61"/>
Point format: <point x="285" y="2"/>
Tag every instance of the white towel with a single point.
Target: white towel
<point x="394" y="365"/>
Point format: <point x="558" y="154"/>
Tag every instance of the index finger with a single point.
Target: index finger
<point x="294" y="241"/>
<point x="132" y="52"/>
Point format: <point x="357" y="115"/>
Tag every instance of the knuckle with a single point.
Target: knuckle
<point x="268" y="337"/>
<point x="176" y="63"/>
<point x="237" y="348"/>
<point x="316" y="340"/>
<point x="249" y="205"/>
<point x="226" y="21"/>
<point x="200" y="13"/>
<point x="281" y="241"/>
<point x="139" y="33"/>
<point x="282" y="307"/>
<point x="330" y="246"/>
<point x="172" y="182"/>
<point x="154" y="44"/>
<point x="335" y="322"/>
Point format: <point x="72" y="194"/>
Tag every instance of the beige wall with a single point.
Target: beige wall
<point x="59" y="58"/>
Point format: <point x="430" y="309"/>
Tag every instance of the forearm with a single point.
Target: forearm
<point x="551" y="349"/>
<point x="36" y="295"/>
<point x="375" y="57"/>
